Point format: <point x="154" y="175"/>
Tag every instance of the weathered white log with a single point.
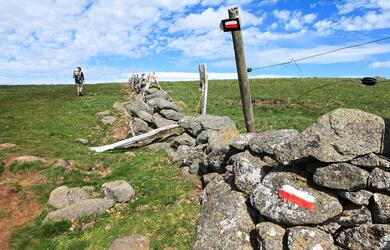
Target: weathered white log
<point x="133" y="140"/>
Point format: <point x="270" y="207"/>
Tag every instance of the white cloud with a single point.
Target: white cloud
<point x="351" y="5"/>
<point x="294" y="20"/>
<point x="324" y="27"/>
<point x="380" y="64"/>
<point x="369" y="21"/>
<point x="281" y="14"/>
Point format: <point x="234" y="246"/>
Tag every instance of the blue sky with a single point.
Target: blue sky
<point x="41" y="41"/>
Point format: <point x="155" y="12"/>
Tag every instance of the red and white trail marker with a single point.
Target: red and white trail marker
<point x="232" y="24"/>
<point x="298" y="197"/>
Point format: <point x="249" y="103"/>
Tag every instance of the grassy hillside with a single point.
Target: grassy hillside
<point x="46" y="121"/>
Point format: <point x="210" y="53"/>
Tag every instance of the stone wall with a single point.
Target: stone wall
<point x="325" y="188"/>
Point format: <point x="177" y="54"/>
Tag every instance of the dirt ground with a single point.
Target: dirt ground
<point x="16" y="204"/>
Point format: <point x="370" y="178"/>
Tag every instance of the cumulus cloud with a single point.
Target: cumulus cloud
<point x="380" y="64"/>
<point x="348" y="6"/>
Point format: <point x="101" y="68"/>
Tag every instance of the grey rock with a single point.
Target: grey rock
<point x="195" y="167"/>
<point x="381" y="208"/>
<point x="338" y="136"/>
<point x="119" y="106"/>
<point x="271" y="141"/>
<point x="109" y="120"/>
<point x="207" y="178"/>
<point x="158" y="146"/>
<point x="119" y="190"/>
<point x="171" y="114"/>
<point x="183" y="139"/>
<point x="354" y="217"/>
<point x="242" y="141"/>
<point x="157" y="94"/>
<point x="330" y="227"/>
<point x="361" y="197"/>
<point x="225" y="222"/>
<point x="186" y="155"/>
<point x="140" y="106"/>
<point x="341" y="176"/>
<point x="185" y="171"/>
<point x="248" y="173"/>
<point x="267" y="199"/>
<point x="161" y="103"/>
<point x="140" y="126"/>
<point x="81" y="209"/>
<point x="372" y="161"/>
<point x="147" y="117"/>
<point x="132" y="242"/>
<point x="103" y="113"/>
<point x="308" y="238"/>
<point x="64" y="196"/>
<point x="269" y="236"/>
<point x="229" y="168"/>
<point x="270" y="161"/>
<point x="67" y="165"/>
<point x="160" y="122"/>
<point x="129" y="154"/>
<point x="82" y="141"/>
<point x="366" y="236"/>
<point x="195" y="125"/>
<point x="204" y="136"/>
<point x="379" y="180"/>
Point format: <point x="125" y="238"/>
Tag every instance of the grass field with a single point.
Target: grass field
<point x="46" y="121"/>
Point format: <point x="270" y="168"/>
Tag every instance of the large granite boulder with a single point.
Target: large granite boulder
<point x="64" y="196"/>
<point x="301" y="237"/>
<point x="161" y="103"/>
<point x="286" y="198"/>
<point x="341" y="176"/>
<point x="160" y="121"/>
<point x="379" y="180"/>
<point x="354" y="217"/>
<point x="360" y="198"/>
<point x="225" y="222"/>
<point x="338" y="136"/>
<point x="145" y="116"/>
<point x="183" y="139"/>
<point x="241" y="142"/>
<point x="381" y="208"/>
<point x="195" y="125"/>
<point x="171" y="114"/>
<point x="140" y="126"/>
<point x="366" y="236"/>
<point x="271" y="141"/>
<point x="81" y="209"/>
<point x="138" y="106"/>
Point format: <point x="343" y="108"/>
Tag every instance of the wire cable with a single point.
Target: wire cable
<point x="317" y="55"/>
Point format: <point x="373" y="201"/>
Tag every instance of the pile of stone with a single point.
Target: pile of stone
<point x="153" y="109"/>
<point x="78" y="202"/>
<point x="325" y="188"/>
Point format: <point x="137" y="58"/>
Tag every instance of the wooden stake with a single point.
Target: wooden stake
<point x="242" y="74"/>
<point x="204" y="86"/>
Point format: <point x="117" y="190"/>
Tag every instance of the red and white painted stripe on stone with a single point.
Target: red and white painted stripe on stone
<point x="298" y="197"/>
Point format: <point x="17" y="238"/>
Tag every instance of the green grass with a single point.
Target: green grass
<point x="46" y="121"/>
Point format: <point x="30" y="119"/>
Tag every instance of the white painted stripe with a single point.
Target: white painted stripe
<point x="231" y="22"/>
<point x="303" y="195"/>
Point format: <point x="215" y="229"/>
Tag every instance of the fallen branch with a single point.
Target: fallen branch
<point x="133" y="140"/>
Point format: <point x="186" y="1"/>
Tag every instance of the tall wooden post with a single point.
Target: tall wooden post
<point x="204" y="87"/>
<point x="242" y="73"/>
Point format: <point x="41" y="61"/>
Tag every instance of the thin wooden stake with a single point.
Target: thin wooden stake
<point x="204" y="87"/>
<point x="242" y="73"/>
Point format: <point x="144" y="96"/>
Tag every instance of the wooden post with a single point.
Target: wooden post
<point x="242" y="74"/>
<point x="204" y="87"/>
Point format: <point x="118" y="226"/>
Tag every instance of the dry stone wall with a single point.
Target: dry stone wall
<point x="325" y="188"/>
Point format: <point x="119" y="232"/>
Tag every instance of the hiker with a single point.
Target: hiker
<point x="78" y="76"/>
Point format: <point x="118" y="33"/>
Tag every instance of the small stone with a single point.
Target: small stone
<point x="118" y="106"/>
<point x="67" y="165"/>
<point x="184" y="171"/>
<point x="83" y="141"/>
<point x="242" y="141"/>
<point x="140" y="126"/>
<point x="381" y="208"/>
<point x="109" y="120"/>
<point x="379" y="180"/>
<point x="171" y="114"/>
<point x="361" y="197"/>
<point x="184" y="139"/>
<point x="330" y="227"/>
<point x="204" y="136"/>
<point x="269" y="161"/>
<point x="7" y="145"/>
<point x="103" y="113"/>
<point x="147" y="117"/>
<point x="81" y="209"/>
<point x="341" y="176"/>
<point x="308" y="238"/>
<point x="209" y="177"/>
<point x="160" y="122"/>
<point x="372" y="161"/>
<point x="366" y="236"/>
<point x="132" y="242"/>
<point x="229" y="168"/>
<point x="270" y="236"/>
<point x="195" y="167"/>
<point x="354" y="217"/>
<point x="119" y="190"/>
<point x="129" y="154"/>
